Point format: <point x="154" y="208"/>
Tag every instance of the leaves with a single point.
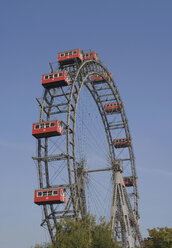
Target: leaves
<point x="84" y="233"/>
<point x="159" y="238"/>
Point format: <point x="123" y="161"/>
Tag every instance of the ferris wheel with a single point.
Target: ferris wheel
<point x="85" y="158"/>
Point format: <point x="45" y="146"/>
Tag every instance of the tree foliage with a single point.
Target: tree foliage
<point x="159" y="238"/>
<point x="84" y="233"/>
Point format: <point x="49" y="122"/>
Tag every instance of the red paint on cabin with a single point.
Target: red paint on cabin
<point x="47" y="129"/>
<point x="113" y="107"/>
<point x="56" y="79"/>
<point x="70" y="57"/>
<point x="91" y="55"/>
<point x="122" y="143"/>
<point x="130" y="181"/>
<point x="98" y="79"/>
<point x="50" y="196"/>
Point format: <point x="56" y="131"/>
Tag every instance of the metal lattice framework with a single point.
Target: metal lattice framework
<point x="62" y="103"/>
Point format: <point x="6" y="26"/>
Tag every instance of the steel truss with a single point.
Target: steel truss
<point x="61" y="103"/>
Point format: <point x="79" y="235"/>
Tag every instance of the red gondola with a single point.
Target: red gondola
<point x="131" y="224"/>
<point x="113" y="107"/>
<point x="70" y="57"/>
<point x="130" y="181"/>
<point x="91" y="55"/>
<point x="122" y="143"/>
<point x="47" y="129"/>
<point x="98" y="79"/>
<point x="50" y="196"/>
<point x="56" y="79"/>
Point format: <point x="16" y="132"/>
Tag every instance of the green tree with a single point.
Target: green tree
<point x="84" y="233"/>
<point x="102" y="236"/>
<point x="159" y="238"/>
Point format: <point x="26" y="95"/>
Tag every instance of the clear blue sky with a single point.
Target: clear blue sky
<point x="135" y="39"/>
